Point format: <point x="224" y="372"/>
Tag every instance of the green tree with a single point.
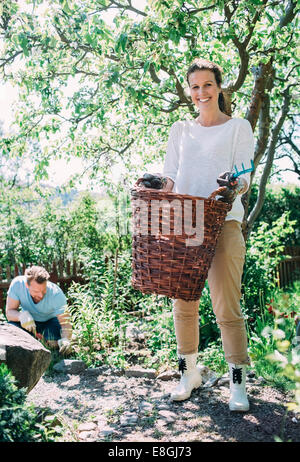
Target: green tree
<point x="127" y="68"/>
<point x="37" y="228"/>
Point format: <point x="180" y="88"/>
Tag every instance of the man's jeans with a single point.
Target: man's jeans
<point x="51" y="329"/>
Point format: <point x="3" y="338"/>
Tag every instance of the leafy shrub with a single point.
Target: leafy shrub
<point x="273" y="333"/>
<point x="264" y="252"/>
<point x="158" y="326"/>
<point x="96" y="330"/>
<point x="213" y="357"/>
<point x="286" y="354"/>
<point x="18" y="421"/>
<point x="278" y="200"/>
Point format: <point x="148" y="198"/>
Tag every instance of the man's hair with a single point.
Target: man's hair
<point x="36" y="273"/>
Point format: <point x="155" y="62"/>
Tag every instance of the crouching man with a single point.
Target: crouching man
<point x="40" y="307"/>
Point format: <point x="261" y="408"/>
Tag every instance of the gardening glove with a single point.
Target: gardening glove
<point x="230" y="187"/>
<point x="151" y="181"/>
<point x="27" y="321"/>
<point x="64" y="345"/>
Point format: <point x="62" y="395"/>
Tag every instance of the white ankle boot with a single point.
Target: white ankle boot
<point x="190" y="377"/>
<point x="238" y="397"/>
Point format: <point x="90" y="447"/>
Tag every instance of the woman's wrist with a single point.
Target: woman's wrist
<point x="168" y="184"/>
<point x="242" y="186"/>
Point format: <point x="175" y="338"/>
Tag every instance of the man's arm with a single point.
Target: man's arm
<point x="12" y="309"/>
<point x="66" y="326"/>
<point x="23" y="317"/>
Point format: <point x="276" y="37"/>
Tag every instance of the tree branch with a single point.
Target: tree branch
<point x="289" y="15"/>
<point x="3" y="62"/>
<point x="183" y="98"/>
<point x="242" y="46"/>
<point x="264" y="75"/>
<point x="197" y="10"/>
<point x="128" y="7"/>
<point x="270" y="158"/>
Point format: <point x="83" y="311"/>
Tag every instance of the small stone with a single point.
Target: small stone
<point x="87" y="436"/>
<point x="162" y="406"/>
<point x="261" y="380"/>
<point x="205" y="372"/>
<point x="70" y="366"/>
<point x="251" y="374"/>
<point x="168" y="375"/>
<point x="104" y="432"/>
<point x="145" y="406"/>
<point x="128" y="418"/>
<point x="161" y="423"/>
<point x="211" y="382"/>
<point x="93" y="371"/>
<point x="87" y="426"/>
<point x="167" y="416"/>
<point x="223" y="388"/>
<point x="140" y="372"/>
<point x="100" y="419"/>
<point x="223" y="381"/>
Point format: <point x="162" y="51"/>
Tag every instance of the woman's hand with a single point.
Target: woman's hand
<point x="230" y="187"/>
<point x="168" y="185"/>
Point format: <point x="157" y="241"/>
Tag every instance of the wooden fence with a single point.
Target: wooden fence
<point x="61" y="273"/>
<point x="289" y="268"/>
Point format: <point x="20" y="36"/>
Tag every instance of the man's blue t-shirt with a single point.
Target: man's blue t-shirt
<point x="53" y="303"/>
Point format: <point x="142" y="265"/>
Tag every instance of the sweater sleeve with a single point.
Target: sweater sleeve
<point x="171" y="162"/>
<point x="244" y="151"/>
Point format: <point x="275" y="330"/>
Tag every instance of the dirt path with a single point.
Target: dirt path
<point x="101" y="406"/>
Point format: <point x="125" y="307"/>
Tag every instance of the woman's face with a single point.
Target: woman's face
<point x="204" y="89"/>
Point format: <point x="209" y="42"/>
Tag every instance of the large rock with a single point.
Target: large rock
<point x="25" y="356"/>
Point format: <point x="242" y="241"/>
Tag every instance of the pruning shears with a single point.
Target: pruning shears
<point x="231" y="180"/>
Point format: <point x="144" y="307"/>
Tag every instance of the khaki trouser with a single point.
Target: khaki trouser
<point x="224" y="280"/>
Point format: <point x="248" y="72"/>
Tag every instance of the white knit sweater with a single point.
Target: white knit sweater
<point x="197" y="155"/>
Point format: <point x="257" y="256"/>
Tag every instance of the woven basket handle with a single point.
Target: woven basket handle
<point x="216" y="193"/>
<point x="139" y="180"/>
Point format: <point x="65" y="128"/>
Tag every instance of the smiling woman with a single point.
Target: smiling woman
<point x="205" y="81"/>
<point x="201" y="154"/>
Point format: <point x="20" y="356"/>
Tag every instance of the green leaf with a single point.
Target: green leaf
<point x="23" y="41"/>
<point x="146" y="66"/>
<point x="270" y="18"/>
<point x="121" y="43"/>
<point x="66" y="8"/>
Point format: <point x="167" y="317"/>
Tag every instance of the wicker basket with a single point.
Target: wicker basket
<point x="166" y="260"/>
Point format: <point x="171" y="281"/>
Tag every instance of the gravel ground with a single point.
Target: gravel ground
<point x="96" y="406"/>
